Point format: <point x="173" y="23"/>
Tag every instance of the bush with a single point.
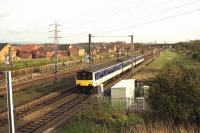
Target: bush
<point x="194" y="56"/>
<point x="175" y="93"/>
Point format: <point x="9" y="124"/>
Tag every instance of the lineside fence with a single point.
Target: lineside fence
<point x="42" y="69"/>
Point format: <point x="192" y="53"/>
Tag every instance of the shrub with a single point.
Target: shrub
<point x="194" y="56"/>
<point x="175" y="93"/>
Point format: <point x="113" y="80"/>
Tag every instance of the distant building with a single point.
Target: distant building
<point x="27" y="51"/>
<point x="81" y="52"/>
<point x="75" y="50"/>
<point x="44" y="52"/>
<point x="4" y="51"/>
<point x="72" y="50"/>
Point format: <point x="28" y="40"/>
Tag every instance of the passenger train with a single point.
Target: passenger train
<point x="97" y="75"/>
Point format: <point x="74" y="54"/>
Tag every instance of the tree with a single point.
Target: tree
<point x="175" y="93"/>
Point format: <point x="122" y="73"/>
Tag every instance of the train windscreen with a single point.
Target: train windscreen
<point x="84" y="76"/>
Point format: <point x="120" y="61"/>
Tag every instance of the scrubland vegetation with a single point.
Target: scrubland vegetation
<point x="174" y="99"/>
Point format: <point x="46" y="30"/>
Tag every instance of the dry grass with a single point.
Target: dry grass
<point x="161" y="128"/>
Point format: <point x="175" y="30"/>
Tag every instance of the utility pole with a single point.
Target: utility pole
<point x="132" y="50"/>
<point x="89" y="47"/>
<point x="117" y="52"/>
<point x="142" y="48"/>
<point x="10" y="106"/>
<point x="127" y="52"/>
<point x="55" y="42"/>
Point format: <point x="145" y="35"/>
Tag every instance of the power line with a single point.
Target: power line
<point x="141" y="3"/>
<point x="152" y="21"/>
<point x="162" y="11"/>
<point x="110" y="36"/>
<point x="171" y="9"/>
<point x="179" y="6"/>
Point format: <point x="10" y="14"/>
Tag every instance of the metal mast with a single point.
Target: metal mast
<point x="55" y="42"/>
<point x="89" y="48"/>
<point x="132" y="47"/>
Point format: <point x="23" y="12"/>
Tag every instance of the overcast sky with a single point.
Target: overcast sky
<point x="147" y="20"/>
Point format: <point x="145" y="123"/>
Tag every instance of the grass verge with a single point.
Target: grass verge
<point x="153" y="68"/>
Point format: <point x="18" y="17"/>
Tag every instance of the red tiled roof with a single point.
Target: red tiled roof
<point x="27" y="48"/>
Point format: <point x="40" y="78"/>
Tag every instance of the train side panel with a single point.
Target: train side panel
<point x="104" y="75"/>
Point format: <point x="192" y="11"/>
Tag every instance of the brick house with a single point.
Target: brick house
<point x="81" y="50"/>
<point x="27" y="51"/>
<point x="72" y="50"/>
<point x="4" y="50"/>
<point x="44" y="52"/>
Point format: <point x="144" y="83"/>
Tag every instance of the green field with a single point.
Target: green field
<point x="163" y="60"/>
<point x="154" y="67"/>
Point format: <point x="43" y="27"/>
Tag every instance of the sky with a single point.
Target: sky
<point x="28" y="21"/>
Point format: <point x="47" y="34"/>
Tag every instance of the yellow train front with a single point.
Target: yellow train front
<point x="84" y="80"/>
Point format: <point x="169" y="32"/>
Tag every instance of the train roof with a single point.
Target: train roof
<point x="105" y="65"/>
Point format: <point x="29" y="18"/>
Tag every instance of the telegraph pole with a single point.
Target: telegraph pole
<point x="55" y="42"/>
<point x="132" y="50"/>
<point x="117" y="52"/>
<point x="10" y="105"/>
<point x="89" y="48"/>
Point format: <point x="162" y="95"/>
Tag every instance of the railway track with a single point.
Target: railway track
<point x="43" y="79"/>
<point x="38" y="104"/>
<point x="69" y="107"/>
<point x="38" y="81"/>
<point x="137" y="68"/>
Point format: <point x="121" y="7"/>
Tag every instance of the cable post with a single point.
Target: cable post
<point x="55" y="42"/>
<point x="89" y="47"/>
<point x="132" y="50"/>
<point x="10" y="106"/>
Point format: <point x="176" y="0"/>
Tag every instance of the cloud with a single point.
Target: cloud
<point x="4" y="14"/>
<point x="18" y="31"/>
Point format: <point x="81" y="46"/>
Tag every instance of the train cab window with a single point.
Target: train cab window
<point x="84" y="76"/>
<point x="78" y="75"/>
<point x="89" y="76"/>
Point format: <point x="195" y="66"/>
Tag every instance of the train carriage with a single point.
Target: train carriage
<point x="97" y="75"/>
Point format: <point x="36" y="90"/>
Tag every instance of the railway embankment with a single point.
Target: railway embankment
<point x="150" y="70"/>
<point x="100" y="116"/>
<point x="30" y="120"/>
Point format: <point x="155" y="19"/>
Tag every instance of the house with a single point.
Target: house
<point x="4" y="51"/>
<point x="81" y="50"/>
<point x="72" y="50"/>
<point x="27" y="51"/>
<point x="75" y="50"/>
<point x="111" y="48"/>
<point x="62" y="53"/>
<point x="44" y="52"/>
